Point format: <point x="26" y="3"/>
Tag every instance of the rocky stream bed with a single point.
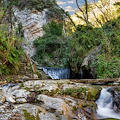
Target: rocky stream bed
<point x="52" y="100"/>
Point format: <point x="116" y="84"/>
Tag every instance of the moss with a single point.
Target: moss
<point x="28" y="116"/>
<point x="59" y="84"/>
<point x="76" y="93"/>
<point x="50" y="93"/>
<point x="8" y="79"/>
<point x="75" y="108"/>
<point x="26" y="88"/>
<point x="21" y="85"/>
<point x="93" y="93"/>
<point x="39" y="74"/>
<point x="68" y="82"/>
<point x="87" y="93"/>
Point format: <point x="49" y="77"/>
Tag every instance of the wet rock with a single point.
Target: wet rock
<point x="115" y="91"/>
<point x="88" y="108"/>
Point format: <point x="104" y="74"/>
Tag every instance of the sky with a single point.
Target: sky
<point x="70" y="5"/>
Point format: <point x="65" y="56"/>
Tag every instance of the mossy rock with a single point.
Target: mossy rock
<point x="76" y="93"/>
<point x="89" y="93"/>
<point x="50" y="93"/>
<point x="93" y="93"/>
<point x="43" y="76"/>
<point x="28" y="116"/>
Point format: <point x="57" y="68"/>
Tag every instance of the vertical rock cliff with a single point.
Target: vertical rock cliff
<point x="32" y="22"/>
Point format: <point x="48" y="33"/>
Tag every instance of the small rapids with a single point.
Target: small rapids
<point x="105" y="105"/>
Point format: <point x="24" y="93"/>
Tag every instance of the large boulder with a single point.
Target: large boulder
<point x="63" y="87"/>
<point x="89" y="64"/>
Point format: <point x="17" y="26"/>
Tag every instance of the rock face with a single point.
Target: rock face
<point x="32" y="22"/>
<point x="89" y="63"/>
<point x="115" y="91"/>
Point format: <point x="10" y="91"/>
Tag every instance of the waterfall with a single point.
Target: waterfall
<point x="57" y="73"/>
<point x="105" y="104"/>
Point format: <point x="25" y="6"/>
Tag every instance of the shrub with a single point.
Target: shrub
<point x="10" y="52"/>
<point x="51" y="49"/>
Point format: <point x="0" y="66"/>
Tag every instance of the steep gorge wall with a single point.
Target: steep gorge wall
<point x="32" y="22"/>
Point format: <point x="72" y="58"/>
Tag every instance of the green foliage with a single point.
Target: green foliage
<point x="9" y="52"/>
<point x="117" y="4"/>
<point x="51" y="48"/>
<point x="108" y="67"/>
<point x="55" y="29"/>
<point x="84" y="40"/>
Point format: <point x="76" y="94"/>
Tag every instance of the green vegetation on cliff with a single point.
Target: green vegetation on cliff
<point x="86" y="39"/>
<point x="52" y="47"/>
<point x="10" y="51"/>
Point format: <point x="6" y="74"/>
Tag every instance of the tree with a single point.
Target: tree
<point x="105" y="11"/>
<point x="85" y="13"/>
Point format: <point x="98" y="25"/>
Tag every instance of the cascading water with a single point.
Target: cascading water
<point x="57" y="73"/>
<point x="105" y="104"/>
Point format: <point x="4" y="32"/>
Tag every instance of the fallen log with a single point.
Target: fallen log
<point x="81" y="80"/>
<point x="95" y="80"/>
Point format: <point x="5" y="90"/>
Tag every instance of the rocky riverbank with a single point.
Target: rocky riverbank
<point x="50" y="100"/>
<point x="47" y="100"/>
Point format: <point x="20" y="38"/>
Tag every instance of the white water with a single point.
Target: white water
<point x="104" y="104"/>
<point x="57" y="73"/>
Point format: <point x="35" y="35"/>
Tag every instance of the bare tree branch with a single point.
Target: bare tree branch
<point x="83" y="19"/>
<point x="85" y="14"/>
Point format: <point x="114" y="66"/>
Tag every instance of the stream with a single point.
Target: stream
<point x="105" y="105"/>
<point x="104" y="102"/>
